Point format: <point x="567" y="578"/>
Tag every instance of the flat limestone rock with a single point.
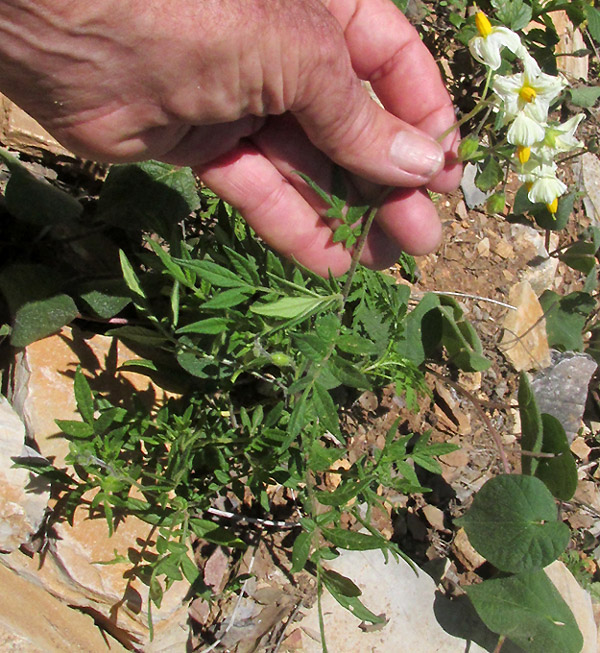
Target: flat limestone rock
<point x="42" y="392"/>
<point x="525" y="343"/>
<point x="578" y="600"/>
<point x="21" y="512"/>
<point x="21" y="132"/>
<point x="414" y="611"/>
<point x="33" y="621"/>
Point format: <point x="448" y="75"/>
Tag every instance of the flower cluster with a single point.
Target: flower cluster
<point x="524" y="99"/>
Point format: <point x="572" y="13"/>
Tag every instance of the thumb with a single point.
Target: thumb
<point x="340" y="117"/>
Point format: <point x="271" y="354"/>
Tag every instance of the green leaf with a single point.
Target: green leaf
<point x="298" y="418"/>
<point x="528" y="609"/>
<point x="490" y="176"/>
<point x="351" y="540"/>
<point x="227" y="298"/>
<point x="130" y="276"/>
<point x="210" y="325"/>
<point x="83" y="397"/>
<point x="288" y="307"/>
<point x="148" y="195"/>
<point x="554" y="221"/>
<point x="75" y="429"/>
<point x="515" y="14"/>
<point x="559" y="473"/>
<point x="422" y="330"/>
<point x="338" y="584"/>
<point x="345" y="492"/>
<point x="347" y="373"/>
<point x="314" y="347"/>
<point x="344" y="591"/>
<point x="166" y="259"/>
<point x="513" y="523"/>
<point x="531" y="425"/>
<point x="522" y="204"/>
<point x="104" y="298"/>
<point x="138" y="334"/>
<point x="36" y="201"/>
<point x="301" y="551"/>
<point x="326" y="410"/>
<point x="593" y="17"/>
<point x="566" y="317"/>
<point x="35" y="301"/>
<point x="214" y="273"/>
<point x="580" y="256"/>
<point x="461" y="340"/>
<point x="585" y="96"/>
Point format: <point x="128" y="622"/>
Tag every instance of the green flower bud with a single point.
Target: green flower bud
<point x="280" y="359"/>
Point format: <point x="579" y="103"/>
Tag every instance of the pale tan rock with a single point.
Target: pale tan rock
<point x="42" y="393"/>
<point x="33" y="621"/>
<point x="570" y="40"/>
<point x="42" y="390"/>
<point x="18" y="130"/>
<point x="589" y="181"/>
<point x="21" y="512"/>
<point x="465" y="552"/>
<point x="503" y="249"/>
<point x="580" y="449"/>
<point x="578" y="600"/>
<point x="434" y="516"/>
<point x="525" y="343"/>
<point x="483" y="247"/>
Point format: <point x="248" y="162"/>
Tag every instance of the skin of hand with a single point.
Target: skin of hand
<point x="247" y="92"/>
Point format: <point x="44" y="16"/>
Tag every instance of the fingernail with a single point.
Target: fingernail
<point x="417" y="153"/>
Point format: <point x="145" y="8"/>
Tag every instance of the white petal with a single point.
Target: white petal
<point x="546" y="190"/>
<point x="507" y="38"/>
<point x="485" y="52"/>
<point x="525" y="131"/>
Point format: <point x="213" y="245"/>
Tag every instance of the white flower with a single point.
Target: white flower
<point x="543" y="184"/>
<point x="525" y="130"/>
<point x="558" y="139"/>
<point x="486" y="47"/>
<point x="526" y="99"/>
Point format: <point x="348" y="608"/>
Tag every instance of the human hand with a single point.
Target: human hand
<point x="246" y="93"/>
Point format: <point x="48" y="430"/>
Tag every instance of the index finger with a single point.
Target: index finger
<point x="387" y="51"/>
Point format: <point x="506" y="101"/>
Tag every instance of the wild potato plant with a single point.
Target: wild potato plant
<point x="266" y="357"/>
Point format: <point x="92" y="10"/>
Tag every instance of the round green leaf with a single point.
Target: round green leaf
<point x="513" y="524"/>
<point x="528" y="609"/>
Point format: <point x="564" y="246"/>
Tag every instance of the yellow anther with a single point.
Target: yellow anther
<point x="528" y="185"/>
<point x="483" y="24"/>
<point x="527" y="94"/>
<point x="553" y="206"/>
<point x="523" y="153"/>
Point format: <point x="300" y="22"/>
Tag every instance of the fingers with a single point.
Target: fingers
<point x="275" y="209"/>
<point x="387" y="51"/>
<point x="260" y="180"/>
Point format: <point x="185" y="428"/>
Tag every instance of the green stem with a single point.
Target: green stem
<point x="482" y="104"/>
<point x="320" y="608"/>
